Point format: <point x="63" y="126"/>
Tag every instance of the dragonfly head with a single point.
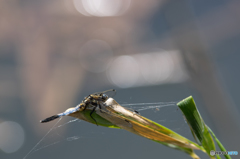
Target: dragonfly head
<point x="104" y="97"/>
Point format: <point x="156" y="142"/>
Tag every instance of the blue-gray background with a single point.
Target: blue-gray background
<point x="53" y="53"/>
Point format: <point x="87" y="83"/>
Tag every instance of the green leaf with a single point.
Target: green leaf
<point x="113" y="115"/>
<point x="147" y="128"/>
<point x="197" y="125"/>
<point x="100" y="120"/>
<point x="219" y="143"/>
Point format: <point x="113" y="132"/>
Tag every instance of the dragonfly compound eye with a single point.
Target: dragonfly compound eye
<point x="104" y="97"/>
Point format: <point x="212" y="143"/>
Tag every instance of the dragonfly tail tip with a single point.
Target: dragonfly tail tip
<point x="49" y="119"/>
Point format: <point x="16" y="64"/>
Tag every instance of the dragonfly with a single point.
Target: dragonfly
<point x="91" y="101"/>
<point x="101" y="109"/>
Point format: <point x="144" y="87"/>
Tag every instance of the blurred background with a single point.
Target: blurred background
<point x="54" y="53"/>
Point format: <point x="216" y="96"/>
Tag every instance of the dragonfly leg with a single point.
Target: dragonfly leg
<point x="91" y="115"/>
<point x="99" y="105"/>
<point x="135" y="112"/>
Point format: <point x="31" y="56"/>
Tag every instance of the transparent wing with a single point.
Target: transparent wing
<point x="109" y="93"/>
<point x="147" y="106"/>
